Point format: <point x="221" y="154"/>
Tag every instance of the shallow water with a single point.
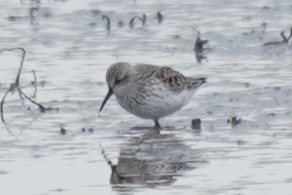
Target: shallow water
<point x="70" y="52"/>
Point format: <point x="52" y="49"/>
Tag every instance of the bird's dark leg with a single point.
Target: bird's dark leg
<point x="157" y="125"/>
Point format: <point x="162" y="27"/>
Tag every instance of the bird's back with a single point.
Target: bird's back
<point x="171" y="79"/>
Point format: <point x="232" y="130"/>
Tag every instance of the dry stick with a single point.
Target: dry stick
<point x="285" y="40"/>
<point x="159" y="17"/>
<point x="109" y="162"/>
<point x="31" y="15"/>
<point x="16" y="83"/>
<point x="2" y="103"/>
<point x="198" y="49"/>
<point x="42" y="108"/>
<point x="35" y="84"/>
<point x="290" y="36"/>
<point x="277" y="42"/>
<point x="16" y="86"/>
<point x="108" y="23"/>
<point x="143" y="20"/>
<point x="21" y="64"/>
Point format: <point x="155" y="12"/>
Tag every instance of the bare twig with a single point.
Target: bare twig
<point x="234" y="121"/>
<point x="114" y="175"/>
<point x="109" y="162"/>
<point x="159" y="17"/>
<point x="143" y="20"/>
<point x="198" y="49"/>
<point x="264" y="26"/>
<point x="21" y="64"/>
<point x="284" y="41"/>
<point x="16" y="85"/>
<point x="32" y="10"/>
<point x="3" y="101"/>
<point x="41" y="107"/>
<point x="108" y="23"/>
<point x="34" y="83"/>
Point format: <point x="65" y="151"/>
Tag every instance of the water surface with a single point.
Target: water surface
<point x="68" y="47"/>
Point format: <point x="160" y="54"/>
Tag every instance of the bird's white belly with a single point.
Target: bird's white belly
<point x="160" y="103"/>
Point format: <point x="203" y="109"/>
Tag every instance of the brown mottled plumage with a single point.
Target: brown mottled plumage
<point x="150" y="91"/>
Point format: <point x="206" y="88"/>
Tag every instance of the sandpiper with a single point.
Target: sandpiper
<point x="149" y="91"/>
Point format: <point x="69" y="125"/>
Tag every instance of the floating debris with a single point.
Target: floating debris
<point x="90" y="130"/>
<point x="199" y="49"/>
<point x="159" y="17"/>
<point x="262" y="29"/>
<point x="108" y="23"/>
<point x="265" y="7"/>
<point x="34" y="83"/>
<point x="143" y="20"/>
<point x="63" y="131"/>
<point x="284" y="41"/>
<point x="234" y="121"/>
<point x="196" y="124"/>
<point x="240" y="142"/>
<point x="16" y="86"/>
<point x="32" y="17"/>
<point x="95" y="12"/>
<point x="120" y="24"/>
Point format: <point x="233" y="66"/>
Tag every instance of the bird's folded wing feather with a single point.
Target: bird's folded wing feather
<point x="172" y="79"/>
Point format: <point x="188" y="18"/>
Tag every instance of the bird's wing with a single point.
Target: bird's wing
<point x="172" y="79"/>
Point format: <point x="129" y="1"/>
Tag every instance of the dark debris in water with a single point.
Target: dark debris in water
<point x="63" y="131"/>
<point x="271" y="114"/>
<point x="199" y="48"/>
<point x="234" y="121"/>
<point x="285" y="40"/>
<point x="241" y="142"/>
<point x="159" y="17"/>
<point x="89" y="130"/>
<point x="196" y="125"/>
<point x="16" y="86"/>
<point x="142" y="19"/>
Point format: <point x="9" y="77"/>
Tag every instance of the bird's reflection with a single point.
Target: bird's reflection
<point x="152" y="160"/>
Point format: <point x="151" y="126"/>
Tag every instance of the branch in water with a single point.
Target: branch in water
<point x="284" y="41"/>
<point x="32" y="18"/>
<point x="198" y="49"/>
<point x="108" y="23"/>
<point x="16" y="86"/>
<point x="34" y="83"/>
<point x="159" y="17"/>
<point x="3" y="101"/>
<point x="41" y="107"/>
<point x="109" y="162"/>
<point x="143" y="20"/>
<point x="21" y="64"/>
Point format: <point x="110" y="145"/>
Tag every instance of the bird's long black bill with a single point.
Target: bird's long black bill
<point x="108" y="95"/>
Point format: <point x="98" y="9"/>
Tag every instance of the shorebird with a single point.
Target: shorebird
<point x="149" y="91"/>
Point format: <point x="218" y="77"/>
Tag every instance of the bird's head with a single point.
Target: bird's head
<point x="115" y="76"/>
